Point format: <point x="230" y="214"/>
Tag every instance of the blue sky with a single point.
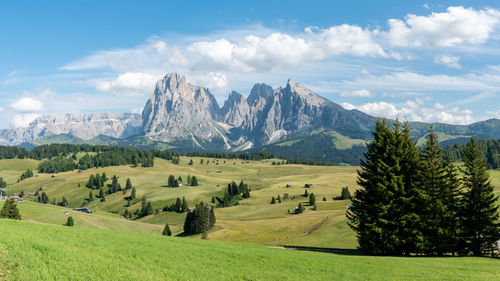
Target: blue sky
<point x="433" y="61"/>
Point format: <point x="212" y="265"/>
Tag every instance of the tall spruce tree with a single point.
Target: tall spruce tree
<point x="384" y="212"/>
<point x="480" y="224"/>
<point x="167" y="231"/>
<point x="438" y="210"/>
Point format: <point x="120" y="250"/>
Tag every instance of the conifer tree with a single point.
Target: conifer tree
<point x="128" y="185"/>
<point x="273" y="201"/>
<point x="178" y="205"/>
<point x="191" y="162"/>
<point x="184" y="205"/>
<point x="438" y="211"/>
<point x="70" y="221"/>
<point x="194" y="181"/>
<point x="10" y="210"/>
<point x="91" y="196"/>
<point x="312" y="199"/>
<point x="179" y="180"/>
<point x="166" y="230"/>
<point x="188" y="180"/>
<point x="480" y="224"/>
<point x="133" y="194"/>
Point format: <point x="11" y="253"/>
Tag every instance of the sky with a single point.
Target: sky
<point x="428" y="61"/>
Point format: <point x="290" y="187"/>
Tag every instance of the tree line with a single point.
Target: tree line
<point x="233" y="155"/>
<point x="412" y="200"/>
<point x="489" y="148"/>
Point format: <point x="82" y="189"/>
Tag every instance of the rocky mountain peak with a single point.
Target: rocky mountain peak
<point x="259" y="92"/>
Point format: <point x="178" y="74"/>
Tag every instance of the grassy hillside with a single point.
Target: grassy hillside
<point x="33" y="251"/>
<point x="50" y="214"/>
<point x="253" y="220"/>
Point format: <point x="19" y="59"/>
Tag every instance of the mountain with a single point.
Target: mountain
<point x="289" y="121"/>
<point x="84" y="126"/>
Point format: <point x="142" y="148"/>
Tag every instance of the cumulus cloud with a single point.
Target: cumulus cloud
<point x="415" y="111"/>
<point x="455" y="26"/>
<point x="129" y="83"/>
<point x="23" y="120"/>
<point x="27" y="105"/>
<point x="450" y="61"/>
<point x="357" y="94"/>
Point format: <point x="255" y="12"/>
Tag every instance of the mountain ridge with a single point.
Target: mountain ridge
<point x="187" y="117"/>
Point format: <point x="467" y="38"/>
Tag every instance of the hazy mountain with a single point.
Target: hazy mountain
<point x="85" y="126"/>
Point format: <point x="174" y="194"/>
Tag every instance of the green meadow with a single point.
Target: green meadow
<point x="33" y="251"/>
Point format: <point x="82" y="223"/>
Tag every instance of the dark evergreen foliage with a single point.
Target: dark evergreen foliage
<point x="200" y="219"/>
<point x="232" y="155"/>
<point x="167" y="231"/>
<point x="10" y="210"/>
<point x="70" y="221"/>
<point x="480" y="226"/>
<point x="489" y="148"/>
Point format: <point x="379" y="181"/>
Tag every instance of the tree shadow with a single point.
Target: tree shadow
<point x="338" y="251"/>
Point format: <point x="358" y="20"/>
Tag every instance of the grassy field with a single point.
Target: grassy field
<point x="101" y="220"/>
<point x="32" y="251"/>
<point x="253" y="220"/>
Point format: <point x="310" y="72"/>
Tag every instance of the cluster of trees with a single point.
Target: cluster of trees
<point x="412" y="201"/>
<point x="306" y="161"/>
<point x="489" y="148"/>
<point x="200" y="219"/>
<point x="345" y="195"/>
<point x="27" y="174"/>
<point x="145" y="210"/>
<point x="63" y="150"/>
<point x="232" y="194"/>
<point x="44" y="199"/>
<point x="190" y="181"/>
<point x="56" y="165"/>
<point x="59" y="160"/>
<point x="97" y="181"/>
<point x="233" y="155"/>
<point x="180" y="206"/>
<point x="10" y="210"/>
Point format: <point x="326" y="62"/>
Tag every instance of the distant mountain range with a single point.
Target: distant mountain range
<point x="289" y="121"/>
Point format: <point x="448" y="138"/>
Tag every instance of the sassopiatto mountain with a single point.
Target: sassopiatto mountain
<point x="290" y="120"/>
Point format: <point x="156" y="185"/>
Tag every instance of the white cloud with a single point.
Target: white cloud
<point x="414" y="111"/>
<point x="27" y="105"/>
<point x="129" y="83"/>
<point x="358" y="94"/>
<point x="450" y="61"/>
<point x="23" y="120"/>
<point x="456" y="26"/>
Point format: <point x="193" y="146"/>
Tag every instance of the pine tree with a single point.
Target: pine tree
<point x="306" y="193"/>
<point x="188" y="180"/>
<point x="437" y="210"/>
<point x="480" y="227"/>
<point x="191" y="162"/>
<point x="91" y="196"/>
<point x="128" y="185"/>
<point x="194" y="181"/>
<point x="133" y="194"/>
<point x="213" y="200"/>
<point x="184" y="205"/>
<point x="70" y="221"/>
<point x="101" y="193"/>
<point x="273" y="201"/>
<point x="10" y="210"/>
<point x="179" y="180"/>
<point x="201" y="161"/>
<point x="178" y="205"/>
<point x="166" y="230"/>
<point x="312" y="199"/>
<point x="371" y="214"/>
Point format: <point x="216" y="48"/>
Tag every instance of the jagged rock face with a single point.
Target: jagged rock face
<point x="295" y="109"/>
<point x="85" y="126"/>
<point x="178" y="109"/>
<point x="235" y="110"/>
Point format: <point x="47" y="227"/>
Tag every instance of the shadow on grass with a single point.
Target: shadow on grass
<point x="338" y="251"/>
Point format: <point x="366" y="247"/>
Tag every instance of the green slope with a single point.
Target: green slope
<point x="33" y="251"/>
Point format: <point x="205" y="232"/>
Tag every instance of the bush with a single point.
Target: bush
<point x="70" y="221"/>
